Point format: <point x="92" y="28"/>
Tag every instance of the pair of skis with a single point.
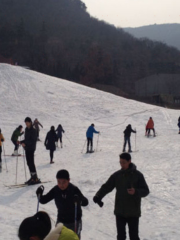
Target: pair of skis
<point x="24" y="185"/>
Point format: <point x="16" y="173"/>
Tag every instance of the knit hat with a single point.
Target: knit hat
<point x="27" y="119"/>
<point x="62" y="174"/>
<point x="38" y="225"/>
<point x="20" y="126"/>
<point x="52" y="128"/>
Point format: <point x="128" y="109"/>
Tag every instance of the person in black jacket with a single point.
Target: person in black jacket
<point x="51" y="139"/>
<point x="59" y="131"/>
<point x="29" y="144"/>
<point x="65" y="195"/>
<point x="127" y="135"/>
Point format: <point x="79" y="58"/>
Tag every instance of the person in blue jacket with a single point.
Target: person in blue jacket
<point x="89" y="135"/>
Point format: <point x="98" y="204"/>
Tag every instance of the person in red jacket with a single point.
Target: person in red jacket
<point x="149" y="127"/>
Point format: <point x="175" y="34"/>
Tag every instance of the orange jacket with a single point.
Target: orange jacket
<point x="150" y="124"/>
<point x="1" y="137"/>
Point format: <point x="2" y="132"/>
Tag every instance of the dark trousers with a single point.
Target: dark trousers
<point x="51" y="154"/>
<point x="149" y="129"/>
<point x="60" y="139"/>
<point x="72" y="227"/>
<point x="127" y="140"/>
<point x="30" y="161"/>
<point x="133" y="225"/>
<point x="89" y="142"/>
<point x="16" y="145"/>
<point x="0" y="154"/>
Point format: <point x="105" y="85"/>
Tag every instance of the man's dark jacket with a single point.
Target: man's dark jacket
<point x="30" y="139"/>
<point x="64" y="200"/>
<point x="126" y="205"/>
<point x="50" y="140"/>
<point x="128" y="131"/>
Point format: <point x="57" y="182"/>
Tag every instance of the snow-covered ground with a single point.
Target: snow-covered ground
<point x="54" y="101"/>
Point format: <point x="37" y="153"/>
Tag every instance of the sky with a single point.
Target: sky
<point x="135" y="13"/>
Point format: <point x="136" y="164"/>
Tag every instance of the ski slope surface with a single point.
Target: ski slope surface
<point x="55" y="101"/>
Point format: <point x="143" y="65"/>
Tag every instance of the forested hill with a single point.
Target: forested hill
<point x="60" y="38"/>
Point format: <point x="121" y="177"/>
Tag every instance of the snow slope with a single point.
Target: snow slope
<point x="54" y="101"/>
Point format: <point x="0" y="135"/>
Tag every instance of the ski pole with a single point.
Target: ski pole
<point x="84" y="146"/>
<point x="5" y="157"/>
<point x="16" y="166"/>
<point x="24" y="165"/>
<point x="39" y="195"/>
<point x="97" y="143"/>
<point x="75" y="224"/>
<point x="67" y="138"/>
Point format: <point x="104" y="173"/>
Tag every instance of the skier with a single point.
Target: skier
<point x="130" y="188"/>
<point x="49" y="143"/>
<point x="89" y="135"/>
<point x="59" y="131"/>
<point x="36" y="125"/>
<point x="1" y="140"/>
<point x="29" y="144"/>
<point x="65" y="195"/>
<point x="14" y="138"/>
<point x="179" y="124"/>
<point x="38" y="227"/>
<point x="150" y="126"/>
<point x="127" y="135"/>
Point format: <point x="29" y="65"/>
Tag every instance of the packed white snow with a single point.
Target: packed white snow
<point x="55" y="101"/>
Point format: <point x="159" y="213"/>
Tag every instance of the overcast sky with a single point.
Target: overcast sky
<point x="135" y="13"/>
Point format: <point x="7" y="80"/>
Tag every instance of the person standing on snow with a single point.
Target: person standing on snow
<point x="66" y="196"/>
<point x="89" y="135"/>
<point x="29" y="144"/>
<point x="127" y="135"/>
<point x="179" y="124"/>
<point x="130" y="188"/>
<point x="150" y="126"/>
<point x="59" y="132"/>
<point x="51" y="139"/>
<point x="14" y="138"/>
<point x="1" y="140"/>
<point x="36" y="125"/>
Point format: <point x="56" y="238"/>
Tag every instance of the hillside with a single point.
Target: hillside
<point x="53" y="101"/>
<point x="60" y="38"/>
<point x="166" y="33"/>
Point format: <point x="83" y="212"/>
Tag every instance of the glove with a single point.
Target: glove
<point x="39" y="191"/>
<point x="76" y="199"/>
<point x="2" y="140"/>
<point x="98" y="201"/>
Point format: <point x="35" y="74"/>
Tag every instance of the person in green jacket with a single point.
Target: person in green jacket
<point x="130" y="188"/>
<point x="14" y="138"/>
<point x="38" y="227"/>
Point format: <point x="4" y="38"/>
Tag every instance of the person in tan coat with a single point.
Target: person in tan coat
<point x="149" y="127"/>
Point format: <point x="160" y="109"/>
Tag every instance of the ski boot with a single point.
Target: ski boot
<point x="34" y="180"/>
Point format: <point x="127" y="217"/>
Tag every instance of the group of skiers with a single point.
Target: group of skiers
<point x="129" y="183"/>
<point x="130" y="188"/>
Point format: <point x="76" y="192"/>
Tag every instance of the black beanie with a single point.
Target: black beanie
<point x="27" y="119"/>
<point x="38" y="225"/>
<point x="52" y="128"/>
<point x="62" y="174"/>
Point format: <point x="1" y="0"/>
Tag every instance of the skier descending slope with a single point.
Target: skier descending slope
<point x="89" y="135"/>
<point x="127" y="135"/>
<point x="68" y="199"/>
<point x="36" y="125"/>
<point x="29" y="144"/>
<point x="38" y="227"/>
<point x="59" y="131"/>
<point x="150" y="126"/>
<point x="51" y="139"/>
<point x="16" y="134"/>
<point x="1" y="140"/>
<point x="130" y="188"/>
